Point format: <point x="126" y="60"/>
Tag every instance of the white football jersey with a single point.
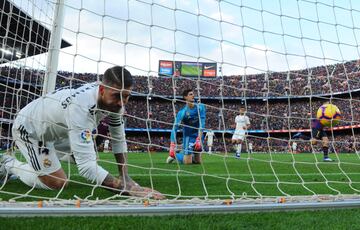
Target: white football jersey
<point x="241" y="121"/>
<point x="72" y="114"/>
<point x="210" y="137"/>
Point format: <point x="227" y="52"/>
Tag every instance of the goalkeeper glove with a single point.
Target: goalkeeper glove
<point x="172" y="150"/>
<point x="197" y="144"/>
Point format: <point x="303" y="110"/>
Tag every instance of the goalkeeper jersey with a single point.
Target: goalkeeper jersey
<point x="72" y="114"/>
<point x="192" y="120"/>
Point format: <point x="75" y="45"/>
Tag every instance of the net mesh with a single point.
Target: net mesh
<point x="281" y="60"/>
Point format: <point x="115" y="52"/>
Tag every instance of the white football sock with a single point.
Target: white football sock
<point x="25" y="173"/>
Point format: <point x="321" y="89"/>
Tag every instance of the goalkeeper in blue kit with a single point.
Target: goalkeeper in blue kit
<point x="192" y="120"/>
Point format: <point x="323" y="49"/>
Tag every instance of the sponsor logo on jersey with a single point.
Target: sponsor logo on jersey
<point x="47" y="163"/>
<point x="65" y="103"/>
<point x="86" y="136"/>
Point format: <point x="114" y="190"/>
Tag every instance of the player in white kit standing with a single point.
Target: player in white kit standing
<point x="106" y="145"/>
<point x="67" y="118"/>
<point x="210" y="140"/>
<point x="250" y="146"/>
<point x="242" y="124"/>
<point x="294" y="147"/>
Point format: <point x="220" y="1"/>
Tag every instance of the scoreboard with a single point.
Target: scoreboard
<point x="187" y="69"/>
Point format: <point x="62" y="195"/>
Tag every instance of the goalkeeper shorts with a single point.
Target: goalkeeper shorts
<point x="189" y="144"/>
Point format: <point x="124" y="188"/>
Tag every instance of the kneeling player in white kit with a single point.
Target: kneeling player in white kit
<point x="242" y="124"/>
<point x="66" y="118"/>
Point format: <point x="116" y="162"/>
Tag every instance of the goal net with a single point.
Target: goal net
<point x="280" y="60"/>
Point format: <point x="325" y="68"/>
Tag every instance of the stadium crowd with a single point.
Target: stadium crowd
<point x="265" y="115"/>
<point x="154" y="107"/>
<point x="340" y="143"/>
<point x="313" y="81"/>
<point x="336" y="78"/>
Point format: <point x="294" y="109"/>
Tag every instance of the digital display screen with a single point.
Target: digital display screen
<point x="166" y="68"/>
<point x="191" y="69"/>
<point x="209" y="69"/>
<point x="187" y="69"/>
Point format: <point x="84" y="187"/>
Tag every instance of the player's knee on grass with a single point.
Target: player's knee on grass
<point x="55" y="180"/>
<point x="187" y="159"/>
<point x="197" y="159"/>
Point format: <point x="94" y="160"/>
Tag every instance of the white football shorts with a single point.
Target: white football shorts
<point x="239" y="135"/>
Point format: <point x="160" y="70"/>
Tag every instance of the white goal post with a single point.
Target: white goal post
<point x="279" y="60"/>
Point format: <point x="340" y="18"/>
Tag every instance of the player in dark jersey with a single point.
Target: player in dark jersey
<point x="317" y="133"/>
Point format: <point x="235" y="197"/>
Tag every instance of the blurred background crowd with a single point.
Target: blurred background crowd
<point x="273" y="101"/>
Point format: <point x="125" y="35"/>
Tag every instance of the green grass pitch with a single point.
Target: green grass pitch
<point x="267" y="174"/>
<point x="219" y="176"/>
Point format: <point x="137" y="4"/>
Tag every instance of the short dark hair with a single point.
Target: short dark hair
<point x="186" y="92"/>
<point x="119" y="76"/>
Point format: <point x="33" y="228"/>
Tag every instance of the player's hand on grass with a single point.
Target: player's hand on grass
<point x="132" y="188"/>
<point x="145" y="192"/>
